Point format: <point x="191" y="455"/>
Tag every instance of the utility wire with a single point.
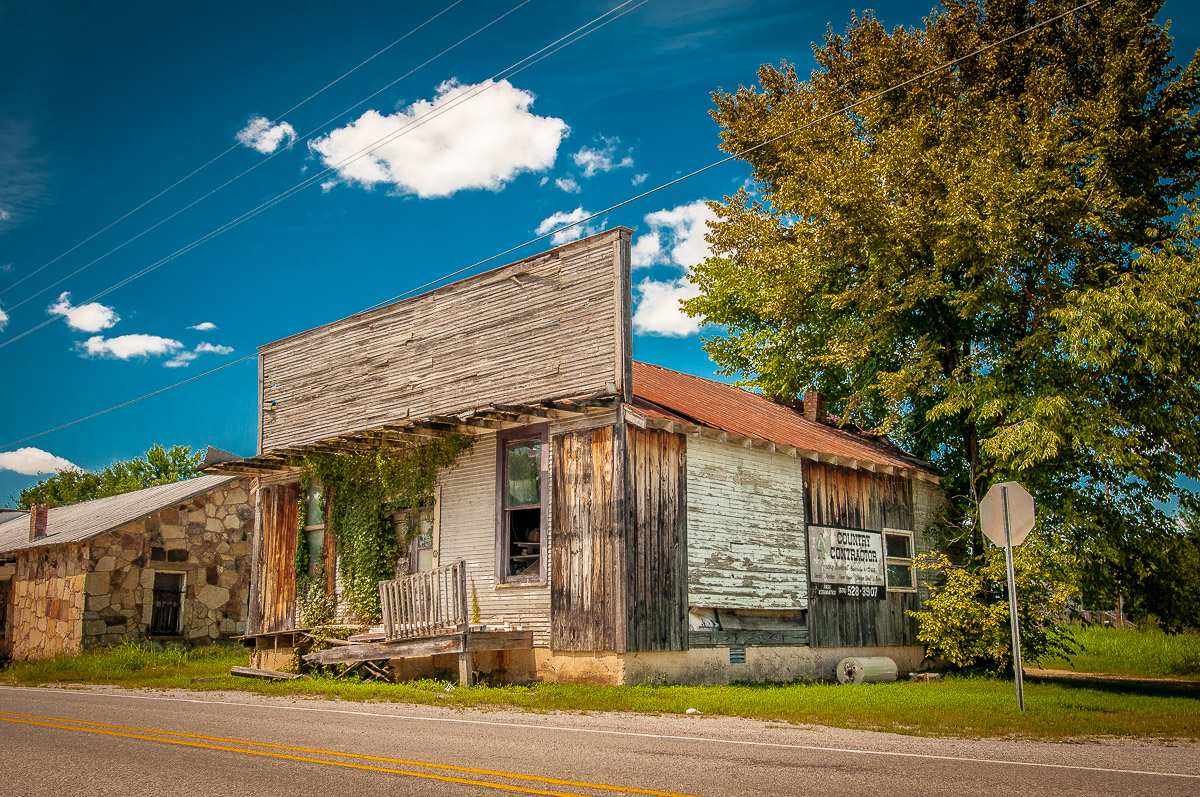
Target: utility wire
<point x="742" y="153"/>
<point x="642" y="195"/>
<point x="204" y="166"/>
<point x="508" y="72"/>
<point x="133" y="401"/>
<point x="270" y="157"/>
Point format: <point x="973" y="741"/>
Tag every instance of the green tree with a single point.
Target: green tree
<point x="157" y="466"/>
<point x="996" y="265"/>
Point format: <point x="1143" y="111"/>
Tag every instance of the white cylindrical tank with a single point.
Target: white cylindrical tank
<point x="866" y="669"/>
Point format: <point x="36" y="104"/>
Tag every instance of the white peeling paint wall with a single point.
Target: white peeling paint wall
<point x="745" y="528"/>
<point x="467" y="530"/>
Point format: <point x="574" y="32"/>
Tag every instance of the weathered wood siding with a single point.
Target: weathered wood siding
<point x="746" y="540"/>
<point x="551" y="326"/>
<point x="858" y="499"/>
<point x="273" y="582"/>
<point x="584" y="562"/>
<point x="656" y="540"/>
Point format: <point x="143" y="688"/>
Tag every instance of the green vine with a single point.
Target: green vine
<point x="365" y="489"/>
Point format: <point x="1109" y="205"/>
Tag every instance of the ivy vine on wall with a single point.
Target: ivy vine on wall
<point x="363" y="490"/>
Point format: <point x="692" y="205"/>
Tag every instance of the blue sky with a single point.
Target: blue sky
<point x="107" y="104"/>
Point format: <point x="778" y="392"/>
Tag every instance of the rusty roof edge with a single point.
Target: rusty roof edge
<point x="912" y="463"/>
<point x="857" y="463"/>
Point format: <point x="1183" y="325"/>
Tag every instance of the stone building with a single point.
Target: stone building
<point x="169" y="563"/>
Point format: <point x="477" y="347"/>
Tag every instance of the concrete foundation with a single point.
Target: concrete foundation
<point x="711" y="666"/>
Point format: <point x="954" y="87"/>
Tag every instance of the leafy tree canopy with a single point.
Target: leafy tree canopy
<point x="997" y="265"/>
<point x="157" y="466"/>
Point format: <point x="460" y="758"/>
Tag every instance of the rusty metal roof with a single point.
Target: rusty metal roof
<point x="83" y="521"/>
<point x="678" y="396"/>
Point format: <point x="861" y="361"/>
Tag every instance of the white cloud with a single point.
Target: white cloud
<point x="6" y="267"/>
<point x="3" y="320"/>
<point x="125" y="347"/>
<point x="204" y="326"/>
<point x="90" y="317"/>
<point x="480" y="142"/>
<point x="658" y="311"/>
<point x="259" y="134"/>
<point x="638" y="179"/>
<point x="675" y="239"/>
<point x="566" y="217"/>
<point x="5" y="215"/>
<point x="181" y="360"/>
<point x="567" y="184"/>
<point x="184" y="358"/>
<point x="34" y="462"/>
<point x="604" y="158"/>
<point x="676" y="236"/>
<point x="327" y="186"/>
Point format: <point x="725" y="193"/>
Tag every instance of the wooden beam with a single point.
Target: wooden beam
<point x="522" y="409"/>
<point x="564" y="406"/>
<point x="470" y="421"/>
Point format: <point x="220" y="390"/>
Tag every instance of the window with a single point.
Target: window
<point x="521" y="504"/>
<point x="314" y="527"/>
<point x="898" y="550"/>
<point x="168" y="604"/>
<point x="416" y="526"/>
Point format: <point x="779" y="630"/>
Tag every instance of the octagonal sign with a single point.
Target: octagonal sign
<point x="1020" y="513"/>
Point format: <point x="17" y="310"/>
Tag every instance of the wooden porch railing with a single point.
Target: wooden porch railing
<point x="426" y="603"/>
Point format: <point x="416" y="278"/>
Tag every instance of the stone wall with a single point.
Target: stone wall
<point x="47" y="601"/>
<point x="207" y="540"/>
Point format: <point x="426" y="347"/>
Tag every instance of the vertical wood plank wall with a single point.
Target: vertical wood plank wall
<point x="859" y="499"/>
<point x="746" y="538"/>
<point x="550" y="326"/>
<point x="582" y="599"/>
<point x="273" y="590"/>
<point x="655" y="540"/>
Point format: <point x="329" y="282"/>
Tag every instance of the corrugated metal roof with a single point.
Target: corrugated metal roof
<point x="80" y="522"/>
<point x="675" y="395"/>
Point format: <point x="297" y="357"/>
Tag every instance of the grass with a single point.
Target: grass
<point x="959" y="706"/>
<point x="1129" y="651"/>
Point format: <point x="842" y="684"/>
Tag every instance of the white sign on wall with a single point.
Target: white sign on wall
<point x="845" y="563"/>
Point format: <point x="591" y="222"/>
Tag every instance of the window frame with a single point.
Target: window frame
<point x="540" y="432"/>
<point x="900" y="561"/>
<point x="183" y="585"/>
<point x="315" y="564"/>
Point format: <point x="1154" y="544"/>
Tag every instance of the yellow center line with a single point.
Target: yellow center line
<point x="136" y="733"/>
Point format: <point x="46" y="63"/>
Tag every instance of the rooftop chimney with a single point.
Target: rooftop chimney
<point x="815" y="406"/>
<point x="39" y="514"/>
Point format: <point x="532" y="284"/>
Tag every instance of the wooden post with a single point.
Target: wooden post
<point x="466" y="674"/>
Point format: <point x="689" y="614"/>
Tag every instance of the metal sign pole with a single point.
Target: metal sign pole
<point x="1012" y="606"/>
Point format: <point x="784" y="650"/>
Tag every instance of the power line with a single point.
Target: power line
<point x="132" y="401"/>
<point x="204" y="166"/>
<point x="265" y="160"/>
<point x="742" y="153"/>
<point x="642" y="195"/>
<point x="508" y="72"/>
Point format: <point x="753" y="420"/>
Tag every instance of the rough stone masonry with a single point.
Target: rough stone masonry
<point x="66" y="598"/>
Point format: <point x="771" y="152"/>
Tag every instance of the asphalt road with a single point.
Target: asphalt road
<point x="111" y="742"/>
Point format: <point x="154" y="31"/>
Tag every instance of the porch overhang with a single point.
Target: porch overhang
<point x="407" y="431"/>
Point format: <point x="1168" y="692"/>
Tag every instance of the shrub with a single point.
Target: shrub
<point x="966" y="620"/>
